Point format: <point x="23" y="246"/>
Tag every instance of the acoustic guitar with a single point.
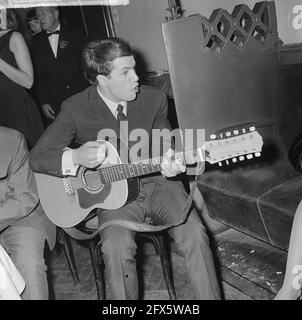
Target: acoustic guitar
<point x="68" y="200"/>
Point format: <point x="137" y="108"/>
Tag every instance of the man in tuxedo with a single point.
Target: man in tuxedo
<point x="24" y="226"/>
<point x="56" y="53"/>
<point x="109" y="66"/>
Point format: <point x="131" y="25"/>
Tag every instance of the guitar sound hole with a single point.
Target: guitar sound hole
<point x="92" y="180"/>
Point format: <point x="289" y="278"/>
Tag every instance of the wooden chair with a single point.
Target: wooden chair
<point x="88" y="234"/>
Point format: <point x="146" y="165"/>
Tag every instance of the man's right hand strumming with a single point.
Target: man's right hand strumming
<point x="90" y="155"/>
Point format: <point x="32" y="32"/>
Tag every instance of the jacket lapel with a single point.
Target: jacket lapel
<point x="63" y="43"/>
<point x="134" y="115"/>
<point x="102" y="114"/>
<point x="47" y="47"/>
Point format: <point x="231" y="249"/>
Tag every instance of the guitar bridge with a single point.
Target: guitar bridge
<point x="68" y="187"/>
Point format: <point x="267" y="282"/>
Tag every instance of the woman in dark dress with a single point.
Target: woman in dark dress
<point x="17" y="109"/>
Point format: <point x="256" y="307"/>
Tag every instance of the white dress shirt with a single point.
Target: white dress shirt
<point x="113" y="105"/>
<point x="68" y="168"/>
<point x="54" y="40"/>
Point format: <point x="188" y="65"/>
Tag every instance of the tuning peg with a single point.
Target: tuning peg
<point x="257" y="154"/>
<point x="243" y="130"/>
<point x="236" y="132"/>
<point x="252" y="128"/>
<point x="213" y="136"/>
<point x="228" y="134"/>
<point x="249" y="156"/>
<point x="234" y="160"/>
<point x="221" y="135"/>
<point x="227" y="162"/>
<point x="220" y="164"/>
<point x="241" y="158"/>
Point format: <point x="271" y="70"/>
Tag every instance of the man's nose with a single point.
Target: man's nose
<point x="134" y="76"/>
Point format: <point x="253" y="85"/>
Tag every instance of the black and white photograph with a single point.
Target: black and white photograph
<point x="150" y="150"/>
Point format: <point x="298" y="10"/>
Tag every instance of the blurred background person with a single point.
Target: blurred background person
<point x="32" y="22"/>
<point x="56" y="52"/>
<point x="17" y="109"/>
<point x="24" y="226"/>
<point x="33" y="27"/>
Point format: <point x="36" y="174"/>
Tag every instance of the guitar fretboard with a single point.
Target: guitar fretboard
<point x="125" y="171"/>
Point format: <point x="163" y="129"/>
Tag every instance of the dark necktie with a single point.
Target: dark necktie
<point x="120" y="114"/>
<point x="51" y="33"/>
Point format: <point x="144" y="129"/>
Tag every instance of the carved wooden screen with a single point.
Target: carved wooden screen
<point x="223" y="68"/>
<point x="239" y="27"/>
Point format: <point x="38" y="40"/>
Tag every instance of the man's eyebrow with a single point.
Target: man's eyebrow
<point x="127" y="67"/>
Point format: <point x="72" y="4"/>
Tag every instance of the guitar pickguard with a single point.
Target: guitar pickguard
<point x="133" y="189"/>
<point x="87" y="199"/>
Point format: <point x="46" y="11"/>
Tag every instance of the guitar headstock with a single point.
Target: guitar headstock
<point x="233" y="146"/>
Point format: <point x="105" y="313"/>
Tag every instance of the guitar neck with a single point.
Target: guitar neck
<point x="234" y="147"/>
<point x="125" y="171"/>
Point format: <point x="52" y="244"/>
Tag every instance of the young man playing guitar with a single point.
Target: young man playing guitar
<point x="109" y="66"/>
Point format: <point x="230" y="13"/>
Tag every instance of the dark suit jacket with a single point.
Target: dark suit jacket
<point x="58" y="78"/>
<point x="85" y="114"/>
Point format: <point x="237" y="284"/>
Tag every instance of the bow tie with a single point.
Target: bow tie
<point x="51" y="33"/>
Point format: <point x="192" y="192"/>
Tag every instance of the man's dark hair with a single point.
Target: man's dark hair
<point x="98" y="55"/>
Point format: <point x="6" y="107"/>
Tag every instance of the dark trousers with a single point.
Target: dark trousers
<point x="166" y="201"/>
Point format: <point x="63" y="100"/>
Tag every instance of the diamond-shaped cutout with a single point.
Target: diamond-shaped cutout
<point x="259" y="6"/>
<point x="265" y="18"/>
<point x="238" y="38"/>
<point x="261" y="9"/>
<point x="237" y="9"/>
<point x="216" y="44"/>
<point x="224" y="26"/>
<point x="259" y="34"/>
<point x="246" y="21"/>
<point x="215" y="15"/>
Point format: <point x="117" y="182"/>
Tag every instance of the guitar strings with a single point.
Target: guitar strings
<point x="124" y="171"/>
<point x="119" y="171"/>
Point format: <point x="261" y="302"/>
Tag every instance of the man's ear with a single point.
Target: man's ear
<point x="102" y="80"/>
